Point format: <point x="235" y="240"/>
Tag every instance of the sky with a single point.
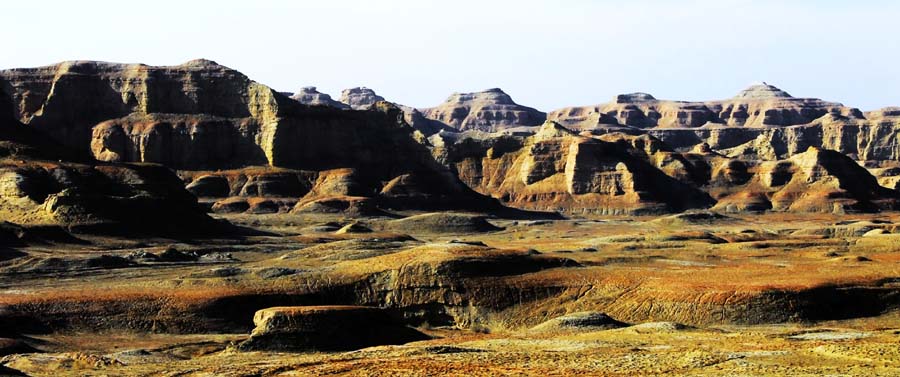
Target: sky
<point x="545" y="54"/>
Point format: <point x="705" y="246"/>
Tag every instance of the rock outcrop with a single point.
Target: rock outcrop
<point x="556" y="169"/>
<point x="326" y="328"/>
<point x="627" y="173"/>
<point x="421" y="123"/>
<point x="761" y="122"/>
<point x="310" y="96"/>
<point x="360" y="98"/>
<point x="813" y="181"/>
<point x="67" y="100"/>
<point x="443" y="222"/>
<point x="100" y="198"/>
<point x="581" y="321"/>
<point x="760" y="105"/>
<point x="490" y="110"/>
<point x="762" y="90"/>
<point x="39" y="189"/>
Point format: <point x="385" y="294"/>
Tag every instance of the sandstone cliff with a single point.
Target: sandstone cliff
<point x="760" y="105"/>
<point x="67" y="100"/>
<point x="556" y="169"/>
<point x="816" y="180"/>
<point x="38" y="189"/>
<point x="105" y="198"/>
<point x="761" y="122"/>
<point x="620" y="173"/>
<point x="201" y="116"/>
<point x="635" y="154"/>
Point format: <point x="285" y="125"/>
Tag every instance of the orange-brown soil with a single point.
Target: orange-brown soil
<point x="764" y="294"/>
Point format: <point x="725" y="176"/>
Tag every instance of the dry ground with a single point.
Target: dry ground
<point x="741" y="295"/>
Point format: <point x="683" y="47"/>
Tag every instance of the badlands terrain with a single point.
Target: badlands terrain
<point x="187" y="220"/>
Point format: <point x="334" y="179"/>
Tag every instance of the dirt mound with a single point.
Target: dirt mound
<point x="658" y="327"/>
<point x="353" y="227"/>
<point x="586" y="321"/>
<point x="693" y="217"/>
<point x="353" y="206"/>
<point x="253" y="205"/>
<point x="326" y="328"/>
<point x="442" y="222"/>
<point x="66" y="264"/>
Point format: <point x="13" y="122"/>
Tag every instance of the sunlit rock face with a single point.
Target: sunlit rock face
<point x="201" y="116"/>
<point x="490" y="110"/>
<point x="626" y="173"/>
<point x="310" y="96"/>
<point x="360" y="98"/>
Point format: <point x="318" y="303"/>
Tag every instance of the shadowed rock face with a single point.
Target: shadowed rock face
<point x="490" y="110"/>
<point x="19" y="141"/>
<point x="104" y="198"/>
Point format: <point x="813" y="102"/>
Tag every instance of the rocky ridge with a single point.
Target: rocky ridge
<point x="624" y="173"/>
<point x="760" y="105"/>
<point x="635" y="154"/>
<point x="201" y="116"/>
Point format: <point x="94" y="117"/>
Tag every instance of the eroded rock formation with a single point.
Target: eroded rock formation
<point x="619" y="173"/>
<point x="760" y="105"/>
<point x="813" y="181"/>
<point x="490" y="110"/>
<point x="360" y="98"/>
<point x="326" y="328"/>
<point x="556" y="169"/>
<point x="310" y="96"/>
<point x="635" y="154"/>
<point x="201" y="116"/>
<point x="104" y="198"/>
<point x="761" y="122"/>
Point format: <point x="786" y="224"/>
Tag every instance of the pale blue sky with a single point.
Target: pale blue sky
<point x="546" y="54"/>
